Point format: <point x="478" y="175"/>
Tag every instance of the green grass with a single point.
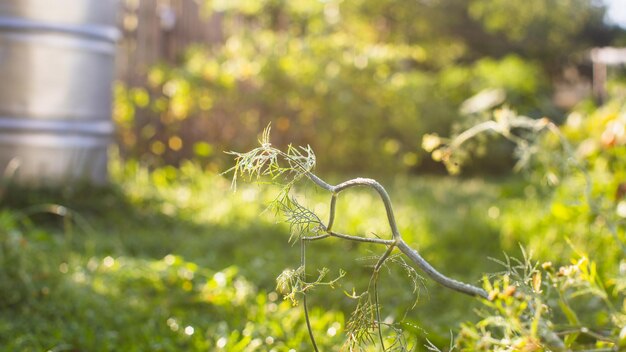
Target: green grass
<point x="174" y="260"/>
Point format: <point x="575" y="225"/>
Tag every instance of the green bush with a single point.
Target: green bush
<point x="579" y="167"/>
<point x="359" y="81"/>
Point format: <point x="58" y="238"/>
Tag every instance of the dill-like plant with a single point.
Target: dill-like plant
<point x="534" y="307"/>
<point x="285" y="168"/>
<point x="520" y="303"/>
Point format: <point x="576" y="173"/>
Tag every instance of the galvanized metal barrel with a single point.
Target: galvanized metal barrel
<point x="56" y="70"/>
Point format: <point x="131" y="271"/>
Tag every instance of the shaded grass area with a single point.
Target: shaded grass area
<point x="173" y="260"/>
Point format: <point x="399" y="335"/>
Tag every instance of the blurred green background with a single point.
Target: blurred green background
<point x="168" y="258"/>
<point x="360" y="81"/>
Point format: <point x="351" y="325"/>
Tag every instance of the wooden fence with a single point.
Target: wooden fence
<point x="159" y="31"/>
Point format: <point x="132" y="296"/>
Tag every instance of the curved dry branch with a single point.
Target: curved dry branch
<point x="263" y="161"/>
<point x="397" y="241"/>
<point x="362" y="239"/>
<point x="437" y="276"/>
<point x="384" y="196"/>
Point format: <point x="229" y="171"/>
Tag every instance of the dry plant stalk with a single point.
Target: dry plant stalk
<point x="288" y="167"/>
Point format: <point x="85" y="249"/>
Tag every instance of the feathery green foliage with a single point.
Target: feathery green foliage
<point x="531" y="307"/>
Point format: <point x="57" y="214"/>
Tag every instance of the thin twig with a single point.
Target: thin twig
<point x="377" y="307"/>
<point x="362" y="239"/>
<point x="383" y="195"/>
<point x="374" y="278"/>
<point x="331" y="217"/>
<point x="439" y="277"/>
<point x="304" y="303"/>
<point x="315" y="238"/>
<point x="408" y="251"/>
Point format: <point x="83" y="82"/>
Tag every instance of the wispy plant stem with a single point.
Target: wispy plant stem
<point x="263" y="161"/>
<point x="304" y="303"/>
<point x="437" y="276"/>
<point x="306" y="226"/>
<point x="411" y="253"/>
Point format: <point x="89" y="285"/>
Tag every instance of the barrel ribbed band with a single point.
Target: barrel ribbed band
<point x="85" y="127"/>
<point x="99" y="32"/>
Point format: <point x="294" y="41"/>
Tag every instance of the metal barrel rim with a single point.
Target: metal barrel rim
<point x="54" y="141"/>
<point x="100" y="32"/>
<point x="88" y="127"/>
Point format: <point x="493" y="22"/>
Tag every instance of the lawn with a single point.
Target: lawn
<point x="173" y="260"/>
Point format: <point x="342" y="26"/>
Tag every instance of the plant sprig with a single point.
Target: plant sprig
<point x="286" y="169"/>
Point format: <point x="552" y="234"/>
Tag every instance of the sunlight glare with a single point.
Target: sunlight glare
<point x="169" y="259"/>
<point x="189" y="330"/>
<point x="173" y="324"/>
<point x="220" y="279"/>
<point x="108" y="261"/>
<point x="493" y="212"/>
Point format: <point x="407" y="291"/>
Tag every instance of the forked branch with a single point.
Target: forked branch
<point x="264" y="161"/>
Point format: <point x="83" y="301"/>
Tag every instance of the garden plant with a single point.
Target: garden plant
<point x="147" y="265"/>
<point x="298" y="163"/>
<point x="528" y="307"/>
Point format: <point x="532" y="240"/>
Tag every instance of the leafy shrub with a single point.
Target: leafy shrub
<point x="527" y="307"/>
<point x="577" y="306"/>
<point x="361" y="81"/>
<point x="544" y="308"/>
